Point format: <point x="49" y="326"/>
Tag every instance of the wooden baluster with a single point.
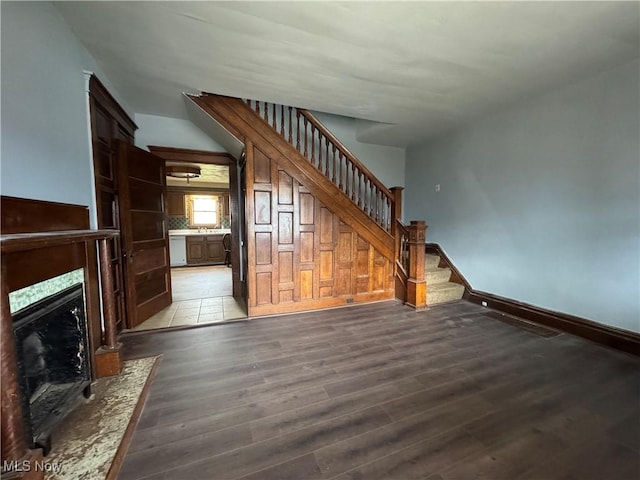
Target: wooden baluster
<point x="340" y="165"/>
<point x="372" y="201"/>
<point x="366" y="201"/>
<point x="305" y="138"/>
<point x="370" y="198"/>
<point x="297" y="130"/>
<point x="320" y="151"/>
<point x="345" y="188"/>
<point x="326" y="161"/>
<point x="378" y="193"/>
<point x="290" y="128"/>
<point x="334" y="166"/>
<point x="274" y="120"/>
<point x="353" y="182"/>
<point x="365" y="193"/>
<point x="257" y="107"/>
<point x="360" y="192"/>
<point x="266" y="112"/>
<point x="365" y="206"/>
<point x="282" y="121"/>
<point x="313" y="147"/>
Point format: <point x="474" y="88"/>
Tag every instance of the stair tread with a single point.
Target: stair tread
<point x="436" y="269"/>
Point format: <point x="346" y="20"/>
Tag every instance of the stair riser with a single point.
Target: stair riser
<point x="438" y="277"/>
<point x="446" y="295"/>
<point x="431" y="261"/>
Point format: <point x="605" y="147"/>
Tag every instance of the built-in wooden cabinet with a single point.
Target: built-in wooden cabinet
<point x="175" y="204"/>
<point x="109" y="124"/>
<point x="205" y="249"/>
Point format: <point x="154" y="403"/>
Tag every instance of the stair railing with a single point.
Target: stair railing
<point x="402" y="247"/>
<point x="324" y="151"/>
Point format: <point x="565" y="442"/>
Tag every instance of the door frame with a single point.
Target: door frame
<point x="187" y="155"/>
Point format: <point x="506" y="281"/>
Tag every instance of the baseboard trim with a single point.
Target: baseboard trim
<point x="603" y="334"/>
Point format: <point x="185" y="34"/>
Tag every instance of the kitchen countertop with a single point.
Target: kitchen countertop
<point x="194" y="231"/>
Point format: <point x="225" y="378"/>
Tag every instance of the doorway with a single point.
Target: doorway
<point x="202" y="295"/>
<point x="204" y="227"/>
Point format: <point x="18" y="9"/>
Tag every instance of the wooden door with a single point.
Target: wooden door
<point x="145" y="239"/>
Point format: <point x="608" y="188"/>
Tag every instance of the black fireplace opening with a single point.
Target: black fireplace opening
<point x="53" y="365"/>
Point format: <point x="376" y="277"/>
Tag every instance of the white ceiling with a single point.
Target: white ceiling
<point x="419" y="68"/>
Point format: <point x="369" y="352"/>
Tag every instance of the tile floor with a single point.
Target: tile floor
<point x="200" y="295"/>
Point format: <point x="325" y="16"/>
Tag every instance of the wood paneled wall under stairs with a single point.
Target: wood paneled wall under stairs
<point x="301" y="255"/>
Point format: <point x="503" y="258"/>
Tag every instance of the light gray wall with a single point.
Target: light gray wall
<point x="540" y="203"/>
<point x="172" y="132"/>
<point x="46" y="153"/>
<point x="386" y="163"/>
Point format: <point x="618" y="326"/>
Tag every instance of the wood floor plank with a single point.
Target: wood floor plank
<point x="420" y="460"/>
<point x="261" y="455"/>
<point x="382" y="391"/>
<point x="183" y="425"/>
<point x="350" y="453"/>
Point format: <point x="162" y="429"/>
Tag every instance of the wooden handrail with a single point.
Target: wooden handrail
<point x="332" y="159"/>
<point x="345" y="151"/>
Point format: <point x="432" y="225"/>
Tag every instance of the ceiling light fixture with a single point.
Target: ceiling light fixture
<point x="180" y="171"/>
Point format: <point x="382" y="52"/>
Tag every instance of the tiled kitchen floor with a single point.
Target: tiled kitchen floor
<point x="200" y="295"/>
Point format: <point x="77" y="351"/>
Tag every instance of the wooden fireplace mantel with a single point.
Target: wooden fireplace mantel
<point x="29" y="241"/>
<point x="41" y="240"/>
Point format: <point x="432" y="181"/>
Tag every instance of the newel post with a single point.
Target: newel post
<point x="416" y="283"/>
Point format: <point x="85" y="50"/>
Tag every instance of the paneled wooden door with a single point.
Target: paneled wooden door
<point x="145" y="239"/>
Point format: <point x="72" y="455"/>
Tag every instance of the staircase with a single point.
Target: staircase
<point x="439" y="288"/>
<point x="322" y="230"/>
<point x="306" y="150"/>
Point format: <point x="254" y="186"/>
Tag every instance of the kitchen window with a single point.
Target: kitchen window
<point x="203" y="210"/>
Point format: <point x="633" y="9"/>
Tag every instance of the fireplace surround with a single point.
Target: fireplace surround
<point x="41" y="241"/>
<point x="53" y="364"/>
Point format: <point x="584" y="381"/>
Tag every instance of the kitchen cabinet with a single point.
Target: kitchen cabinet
<point x="175" y="204"/>
<point x="205" y="249"/>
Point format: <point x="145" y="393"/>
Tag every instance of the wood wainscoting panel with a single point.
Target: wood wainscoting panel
<point x="301" y="255"/>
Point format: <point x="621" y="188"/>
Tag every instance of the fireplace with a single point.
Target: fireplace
<point x="53" y="362"/>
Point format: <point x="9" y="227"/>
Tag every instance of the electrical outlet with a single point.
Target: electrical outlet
<point x="484" y="304"/>
<point x="437" y="187"/>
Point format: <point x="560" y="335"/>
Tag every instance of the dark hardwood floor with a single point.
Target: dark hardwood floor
<point x="384" y="392"/>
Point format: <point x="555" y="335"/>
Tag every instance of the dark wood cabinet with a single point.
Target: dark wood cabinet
<point x="109" y="124"/>
<point x="195" y="250"/>
<point x="175" y="204"/>
<point x="205" y="249"/>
